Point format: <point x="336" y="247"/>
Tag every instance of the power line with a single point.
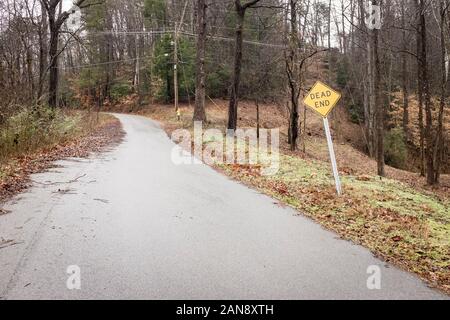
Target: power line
<point x="232" y="40"/>
<point x="218" y="27"/>
<point x="101" y="63"/>
<point x="112" y="32"/>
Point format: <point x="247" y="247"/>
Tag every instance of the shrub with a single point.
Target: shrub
<point x="356" y="113"/>
<point x="342" y="75"/>
<point x="218" y="82"/>
<point x="120" y="90"/>
<point x="32" y="128"/>
<point x="396" y="151"/>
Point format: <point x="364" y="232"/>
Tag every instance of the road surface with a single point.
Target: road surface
<point x="140" y="227"/>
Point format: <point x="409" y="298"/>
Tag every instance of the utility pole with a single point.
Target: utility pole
<point x="137" y="66"/>
<point x="175" y="64"/>
<point x="175" y="67"/>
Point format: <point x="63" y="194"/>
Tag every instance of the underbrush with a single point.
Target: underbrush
<point x="396" y="150"/>
<point x="33" y="128"/>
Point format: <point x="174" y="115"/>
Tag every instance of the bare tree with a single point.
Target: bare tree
<point x="405" y="72"/>
<point x="422" y="71"/>
<point x="378" y="101"/>
<point x="241" y="9"/>
<point x="55" y="23"/>
<point x="434" y="177"/>
<point x="293" y="74"/>
<point x="199" y="111"/>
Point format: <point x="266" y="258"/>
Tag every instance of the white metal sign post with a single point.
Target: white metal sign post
<point x="322" y="99"/>
<point x="337" y="179"/>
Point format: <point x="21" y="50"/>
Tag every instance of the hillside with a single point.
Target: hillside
<point x="348" y="147"/>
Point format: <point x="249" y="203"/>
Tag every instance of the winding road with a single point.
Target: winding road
<point x="140" y="227"/>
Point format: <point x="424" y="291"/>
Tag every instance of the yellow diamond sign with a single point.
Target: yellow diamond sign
<point x="322" y="99"/>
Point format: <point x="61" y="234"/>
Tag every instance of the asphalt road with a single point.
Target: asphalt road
<point x="140" y="227"/>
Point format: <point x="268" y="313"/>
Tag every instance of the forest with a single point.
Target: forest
<point x="105" y="51"/>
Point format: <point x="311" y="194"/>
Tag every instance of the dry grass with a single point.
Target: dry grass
<point x="89" y="135"/>
<point x="32" y="129"/>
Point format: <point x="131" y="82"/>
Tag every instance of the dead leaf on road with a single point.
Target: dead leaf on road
<point x="9" y="243"/>
<point x="3" y="212"/>
<point x="102" y="200"/>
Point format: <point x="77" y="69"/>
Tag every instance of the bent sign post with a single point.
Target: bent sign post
<point x="322" y="99"/>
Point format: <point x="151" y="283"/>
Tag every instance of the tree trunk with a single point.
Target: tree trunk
<point x="427" y="134"/>
<point x="294" y="123"/>
<point x="370" y="106"/>
<point x="405" y="77"/>
<point x="379" y="107"/>
<point x="366" y="79"/>
<point x="54" y="72"/>
<point x="439" y="141"/>
<point x="371" y="103"/>
<point x="257" y="119"/>
<point x="293" y="73"/>
<point x="137" y="67"/>
<point x="199" y="110"/>
<point x="420" y="81"/>
<point x="234" y="95"/>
